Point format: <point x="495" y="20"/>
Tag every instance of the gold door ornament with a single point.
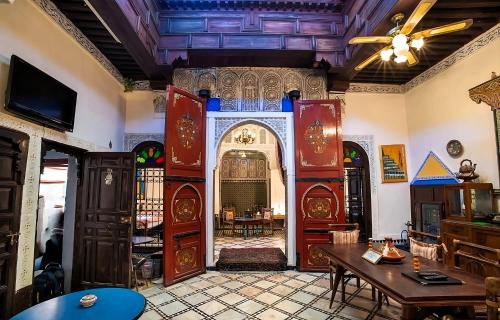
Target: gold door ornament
<point x="316" y="137"/>
<point x="184" y="210"/>
<point x="185" y="259"/>
<point x="319" y="208"/>
<point x="316" y="256"/>
<point x="186" y="130"/>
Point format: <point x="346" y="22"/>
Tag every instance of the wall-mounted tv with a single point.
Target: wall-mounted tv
<point x="35" y="95"/>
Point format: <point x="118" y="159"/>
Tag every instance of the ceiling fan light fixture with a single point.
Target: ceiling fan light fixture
<point x="417" y="43"/>
<point x="400" y="59"/>
<point x="401" y="50"/>
<point x="386" y="54"/>
<point x="399" y="41"/>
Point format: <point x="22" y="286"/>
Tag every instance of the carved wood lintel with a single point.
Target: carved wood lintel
<point x="488" y="92"/>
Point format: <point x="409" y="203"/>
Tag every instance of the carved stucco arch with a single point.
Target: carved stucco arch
<point x="276" y="126"/>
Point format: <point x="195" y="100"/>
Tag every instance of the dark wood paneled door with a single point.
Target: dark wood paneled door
<point x="319" y="175"/>
<point x="104" y="214"/>
<point x="13" y="152"/>
<point x="184" y="191"/>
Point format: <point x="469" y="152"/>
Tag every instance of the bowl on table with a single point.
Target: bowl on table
<point x="88" y="300"/>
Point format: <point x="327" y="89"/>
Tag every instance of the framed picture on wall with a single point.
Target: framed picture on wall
<point x="393" y="163"/>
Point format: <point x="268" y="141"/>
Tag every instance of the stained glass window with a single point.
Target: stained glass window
<point x="150" y="154"/>
<point x="351" y="155"/>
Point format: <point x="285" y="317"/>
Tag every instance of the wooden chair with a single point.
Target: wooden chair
<point x="475" y="258"/>
<point x="492" y="285"/>
<point x="343" y="237"/>
<point x="228" y="215"/>
<point x="267" y="219"/>
<point x="420" y="245"/>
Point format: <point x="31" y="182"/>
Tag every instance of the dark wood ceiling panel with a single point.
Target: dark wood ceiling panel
<point x="85" y="20"/>
<point x="485" y="14"/>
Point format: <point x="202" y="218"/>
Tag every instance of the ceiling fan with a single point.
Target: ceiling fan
<point x="401" y="42"/>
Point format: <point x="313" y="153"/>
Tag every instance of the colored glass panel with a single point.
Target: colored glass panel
<point x="150" y="155"/>
<point x="352" y="155"/>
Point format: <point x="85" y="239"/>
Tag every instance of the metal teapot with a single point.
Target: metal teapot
<point x="466" y="171"/>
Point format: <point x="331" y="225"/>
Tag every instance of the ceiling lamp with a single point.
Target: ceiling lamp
<point x="245" y="136"/>
<point x="400" y="59"/>
<point x="386" y="54"/>
<point x="417" y="43"/>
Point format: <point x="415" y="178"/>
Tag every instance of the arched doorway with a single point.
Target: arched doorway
<point x="148" y="219"/>
<point x="357" y="188"/>
<point x="248" y="178"/>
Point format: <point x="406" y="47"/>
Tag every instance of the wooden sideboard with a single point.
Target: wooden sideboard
<point x="482" y="233"/>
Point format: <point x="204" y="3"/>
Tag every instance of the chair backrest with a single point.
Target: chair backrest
<point x="344" y="233"/>
<point x="492" y="285"/>
<point x="475" y="258"/>
<point x="426" y="245"/>
<point x="228" y="214"/>
<point x="267" y="213"/>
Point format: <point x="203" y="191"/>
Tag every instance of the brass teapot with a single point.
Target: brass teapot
<point x="466" y="171"/>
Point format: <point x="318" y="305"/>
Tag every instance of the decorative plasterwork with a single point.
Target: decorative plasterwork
<point x="142" y="85"/>
<point x="465" y="51"/>
<point x="376" y="88"/>
<point x="366" y="142"/>
<point x="24" y="273"/>
<point x="252" y="89"/>
<point x="222" y="125"/>
<point x="59" y="18"/>
<point x="131" y="140"/>
<point x="334" y="95"/>
<point x="488" y="92"/>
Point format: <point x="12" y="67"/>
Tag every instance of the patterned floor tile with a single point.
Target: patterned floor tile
<point x="261" y="295"/>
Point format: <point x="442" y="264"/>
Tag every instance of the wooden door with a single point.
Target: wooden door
<point x="104" y="214"/>
<point x="184" y="192"/>
<point x="13" y="152"/>
<point x="319" y="178"/>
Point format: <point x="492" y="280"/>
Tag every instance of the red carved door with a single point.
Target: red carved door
<point x="184" y="191"/>
<point x="319" y="178"/>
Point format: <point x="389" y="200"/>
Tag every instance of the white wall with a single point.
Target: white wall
<point x="382" y="116"/>
<point x="25" y="30"/>
<point x="140" y="116"/>
<point x="440" y="110"/>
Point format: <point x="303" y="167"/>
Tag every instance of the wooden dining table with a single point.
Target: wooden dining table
<point x="412" y="295"/>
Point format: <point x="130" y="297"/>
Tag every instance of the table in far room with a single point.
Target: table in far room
<point x="388" y="278"/>
<point x="245" y="222"/>
<point x="112" y="303"/>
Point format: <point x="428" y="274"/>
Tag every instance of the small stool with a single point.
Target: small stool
<point x="137" y="262"/>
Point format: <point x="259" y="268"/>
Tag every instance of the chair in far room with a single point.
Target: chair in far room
<point x="267" y="219"/>
<point x="228" y="220"/>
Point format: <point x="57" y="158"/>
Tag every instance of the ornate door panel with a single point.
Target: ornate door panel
<point x="104" y="220"/>
<point x="184" y="205"/>
<point x="319" y="178"/>
<point x="13" y="153"/>
<point x="318" y="139"/>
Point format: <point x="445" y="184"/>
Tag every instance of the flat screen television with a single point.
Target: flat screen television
<point x="35" y="95"/>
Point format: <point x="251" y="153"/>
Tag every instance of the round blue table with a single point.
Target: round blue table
<point x="112" y="303"/>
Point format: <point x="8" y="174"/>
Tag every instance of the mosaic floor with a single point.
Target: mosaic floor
<point x="261" y="295"/>
<point x="275" y="241"/>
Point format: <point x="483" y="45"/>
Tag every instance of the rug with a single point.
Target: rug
<point x="251" y="259"/>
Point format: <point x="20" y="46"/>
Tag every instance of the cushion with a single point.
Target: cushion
<point x="425" y="250"/>
<point x="343" y="237"/>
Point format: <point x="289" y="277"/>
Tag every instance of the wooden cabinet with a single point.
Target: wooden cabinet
<point x="427" y="206"/>
<point x="468" y="201"/>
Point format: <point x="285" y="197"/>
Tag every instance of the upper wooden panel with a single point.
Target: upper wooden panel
<point x="318" y="139"/>
<point x="185" y="132"/>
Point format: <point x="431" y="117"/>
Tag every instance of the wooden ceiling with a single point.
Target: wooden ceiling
<point x="159" y="35"/>
<point x="485" y="13"/>
<point x="85" y="20"/>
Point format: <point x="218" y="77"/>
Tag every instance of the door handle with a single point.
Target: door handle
<point x="125" y="220"/>
<point x="13" y="237"/>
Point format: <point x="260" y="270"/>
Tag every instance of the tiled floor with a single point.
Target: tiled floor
<point x="260" y="295"/>
<point x="277" y="240"/>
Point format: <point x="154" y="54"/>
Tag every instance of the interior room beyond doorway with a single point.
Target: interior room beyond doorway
<point x="249" y="191"/>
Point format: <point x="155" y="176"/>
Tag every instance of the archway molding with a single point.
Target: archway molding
<point x="280" y="124"/>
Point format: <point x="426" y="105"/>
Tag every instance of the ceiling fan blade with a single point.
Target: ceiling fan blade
<point x="412" y="58"/>
<point x="375" y="39"/>
<point x="369" y="60"/>
<point x="417" y="15"/>
<point x="448" y="28"/>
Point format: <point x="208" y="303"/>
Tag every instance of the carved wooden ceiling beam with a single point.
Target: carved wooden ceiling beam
<point x="488" y="92"/>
